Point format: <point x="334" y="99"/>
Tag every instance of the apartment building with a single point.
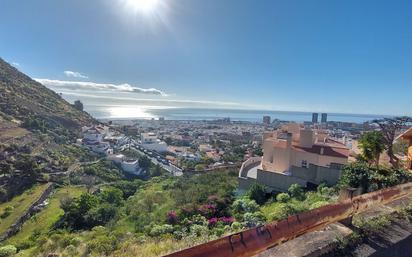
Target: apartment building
<point x="295" y="154"/>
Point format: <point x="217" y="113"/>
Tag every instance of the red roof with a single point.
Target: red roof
<point x="328" y="150"/>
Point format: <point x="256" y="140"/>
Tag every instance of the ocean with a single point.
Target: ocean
<point x="117" y="108"/>
<point x="177" y="113"/>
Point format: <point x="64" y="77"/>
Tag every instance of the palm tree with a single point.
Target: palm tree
<point x="372" y="145"/>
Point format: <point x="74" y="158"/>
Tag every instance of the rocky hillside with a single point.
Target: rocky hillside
<point x="37" y="129"/>
<point x="24" y="99"/>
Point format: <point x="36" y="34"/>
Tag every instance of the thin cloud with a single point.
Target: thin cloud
<point x="75" y="74"/>
<point x="82" y="85"/>
<point x="105" y="100"/>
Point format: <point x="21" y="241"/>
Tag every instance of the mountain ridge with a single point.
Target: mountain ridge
<point x="23" y="97"/>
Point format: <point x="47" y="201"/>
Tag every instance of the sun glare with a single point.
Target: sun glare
<point x="143" y="6"/>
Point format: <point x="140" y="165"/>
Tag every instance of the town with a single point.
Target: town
<point x="207" y="128"/>
<point x="276" y="154"/>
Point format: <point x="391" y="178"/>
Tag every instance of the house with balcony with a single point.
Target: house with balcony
<point x="295" y="154"/>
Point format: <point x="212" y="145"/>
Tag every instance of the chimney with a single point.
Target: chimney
<point x="267" y="134"/>
<point x="306" y="138"/>
<point x="289" y="139"/>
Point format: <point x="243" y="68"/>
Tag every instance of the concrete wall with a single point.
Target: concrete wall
<point x="317" y="174"/>
<point x="245" y="183"/>
<point x="249" y="163"/>
<point x="308" y="174"/>
<point x="278" y="181"/>
<point x="330" y="176"/>
<point x="281" y="182"/>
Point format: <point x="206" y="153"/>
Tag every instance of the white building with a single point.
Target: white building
<point x="150" y="142"/>
<point x="93" y="134"/>
<point x="130" y="165"/>
<point x="117" y="158"/>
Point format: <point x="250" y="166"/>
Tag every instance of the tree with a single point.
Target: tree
<point x="389" y="128"/>
<point x="78" y="105"/>
<point x="372" y="145"/>
<point x="355" y="175"/>
<point x="156" y="171"/>
<point x="296" y="191"/>
<point x="200" y="167"/>
<point x="144" y="162"/>
<point x="112" y="195"/>
<point x="257" y="192"/>
<point x="282" y="197"/>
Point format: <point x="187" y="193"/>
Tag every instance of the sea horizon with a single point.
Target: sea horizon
<point x="208" y="114"/>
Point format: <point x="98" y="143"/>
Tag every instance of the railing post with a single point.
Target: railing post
<point x="347" y="194"/>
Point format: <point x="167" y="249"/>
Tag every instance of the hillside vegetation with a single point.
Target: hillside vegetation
<point x="37" y="128"/>
<point x="25" y="100"/>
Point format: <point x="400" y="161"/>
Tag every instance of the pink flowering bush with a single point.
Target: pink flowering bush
<point x="172" y="218"/>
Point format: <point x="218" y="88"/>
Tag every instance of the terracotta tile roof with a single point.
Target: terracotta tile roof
<point x="328" y="150"/>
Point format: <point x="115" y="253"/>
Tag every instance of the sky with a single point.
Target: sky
<point x="340" y="56"/>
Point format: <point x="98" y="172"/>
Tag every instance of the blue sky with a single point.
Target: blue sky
<point x="335" y="56"/>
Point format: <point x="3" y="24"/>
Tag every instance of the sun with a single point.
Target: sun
<point x="143" y="6"/>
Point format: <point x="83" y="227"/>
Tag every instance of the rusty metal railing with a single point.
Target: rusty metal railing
<point x="253" y="241"/>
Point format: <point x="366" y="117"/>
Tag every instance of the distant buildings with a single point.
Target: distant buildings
<point x="150" y="142"/>
<point x="315" y="117"/>
<point x="324" y="118"/>
<point x="205" y="148"/>
<point x="266" y="120"/>
<point x="100" y="139"/>
<point x="295" y="154"/>
<point x="93" y="138"/>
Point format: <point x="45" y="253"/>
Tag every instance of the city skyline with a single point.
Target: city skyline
<point x="271" y="55"/>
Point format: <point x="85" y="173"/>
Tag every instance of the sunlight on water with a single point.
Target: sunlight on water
<point x="129" y="112"/>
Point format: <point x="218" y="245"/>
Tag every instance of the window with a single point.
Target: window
<point x="304" y="164"/>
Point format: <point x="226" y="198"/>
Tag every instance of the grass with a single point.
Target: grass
<point x="44" y="220"/>
<point x="13" y="132"/>
<point x="19" y="205"/>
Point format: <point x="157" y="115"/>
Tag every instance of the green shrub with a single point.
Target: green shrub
<point x="75" y="241"/>
<point x="7" y="250"/>
<point x="102" y="244"/>
<point x="244" y="205"/>
<point x="296" y="191"/>
<point x="281" y="212"/>
<point x="257" y="192"/>
<point x="251" y="220"/>
<point x="7" y="211"/>
<point x="236" y="226"/>
<point x="159" y="230"/>
<point x="199" y="230"/>
<point x="282" y="197"/>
